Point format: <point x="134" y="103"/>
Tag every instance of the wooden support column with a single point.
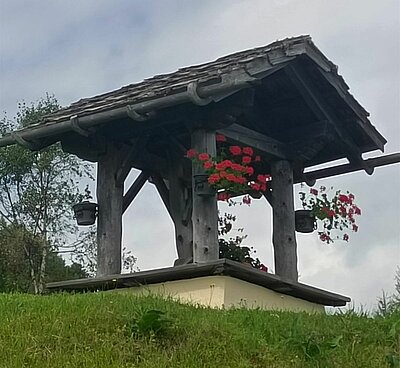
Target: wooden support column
<point x="109" y="221"/>
<point x="180" y="199"/>
<point x="205" y="211"/>
<point x="284" y="235"/>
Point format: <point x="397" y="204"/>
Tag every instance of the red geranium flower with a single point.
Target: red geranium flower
<point x="220" y="138"/>
<point x="190" y="153"/>
<point x="249" y="170"/>
<point x="313" y="191"/>
<point x="208" y="165"/>
<point x="235" y="150"/>
<point x="223" y="196"/>
<point x="213" y="178"/>
<point x="343" y="198"/>
<point x="246" y="159"/>
<point x="255" y="186"/>
<point x="257" y="158"/>
<point x="203" y="156"/>
<point x="248" y="151"/>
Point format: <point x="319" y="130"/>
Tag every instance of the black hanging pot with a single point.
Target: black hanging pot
<point x="305" y="221"/>
<point x="85" y="213"/>
<point x="201" y="186"/>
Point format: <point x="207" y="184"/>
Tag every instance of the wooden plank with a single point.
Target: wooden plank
<point x="255" y="139"/>
<point x="284" y="235"/>
<point x="205" y="212"/>
<point x="347" y="168"/>
<point x="134" y="190"/>
<point x="109" y="220"/>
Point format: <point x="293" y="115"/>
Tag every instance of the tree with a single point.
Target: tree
<point x="15" y="268"/>
<point x="37" y="191"/>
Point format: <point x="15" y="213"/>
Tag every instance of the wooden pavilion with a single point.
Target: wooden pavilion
<point x="286" y="100"/>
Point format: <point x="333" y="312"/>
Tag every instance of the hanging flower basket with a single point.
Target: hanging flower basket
<point x="304" y="221"/>
<point x="202" y="187"/>
<point x="85" y="213"/>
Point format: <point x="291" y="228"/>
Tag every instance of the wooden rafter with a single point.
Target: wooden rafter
<point x="323" y="111"/>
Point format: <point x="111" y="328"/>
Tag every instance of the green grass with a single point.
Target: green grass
<point x="123" y="330"/>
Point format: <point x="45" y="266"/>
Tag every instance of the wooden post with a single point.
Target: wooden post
<point x="180" y="199"/>
<point x="284" y="235"/>
<point x="109" y="222"/>
<point x="205" y="212"/>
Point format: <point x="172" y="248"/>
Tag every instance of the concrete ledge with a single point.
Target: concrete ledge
<point x="220" y="267"/>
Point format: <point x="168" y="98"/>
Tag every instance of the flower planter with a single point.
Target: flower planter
<point x="201" y="186"/>
<point x="85" y="213"/>
<point x="304" y="221"/>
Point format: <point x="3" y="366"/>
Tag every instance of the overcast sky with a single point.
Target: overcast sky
<point x="76" y="50"/>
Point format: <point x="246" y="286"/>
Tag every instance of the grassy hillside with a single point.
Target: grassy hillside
<point x="121" y="330"/>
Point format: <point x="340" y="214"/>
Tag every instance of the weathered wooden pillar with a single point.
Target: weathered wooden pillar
<point x="205" y="211"/>
<point x="180" y="199"/>
<point x="109" y="221"/>
<point x="284" y="235"/>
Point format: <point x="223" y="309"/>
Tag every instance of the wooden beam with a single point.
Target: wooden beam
<point x="162" y="189"/>
<point x="255" y="139"/>
<point x="109" y="221"/>
<point x="347" y="168"/>
<point x="284" y="235"/>
<point x="131" y="153"/>
<point x="134" y="190"/>
<point x="323" y="111"/>
<point x="205" y="212"/>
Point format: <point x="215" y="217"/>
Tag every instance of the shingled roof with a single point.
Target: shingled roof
<point x="198" y="84"/>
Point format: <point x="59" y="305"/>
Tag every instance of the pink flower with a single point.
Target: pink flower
<point x="257" y="158"/>
<point x="246" y="200"/>
<point x="249" y="170"/>
<point x="220" y="138"/>
<point x="343" y="198"/>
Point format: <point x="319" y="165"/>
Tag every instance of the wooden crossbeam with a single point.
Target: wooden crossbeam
<point x="134" y="190"/>
<point x="257" y="140"/>
<point x="347" y="168"/>
<point x="130" y="156"/>
<point x="323" y="111"/>
<point x="162" y="189"/>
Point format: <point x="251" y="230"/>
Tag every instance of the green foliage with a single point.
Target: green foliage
<point x="232" y="247"/>
<point x="37" y="190"/>
<point x="90" y="330"/>
<point x="149" y="323"/>
<point x="20" y="252"/>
